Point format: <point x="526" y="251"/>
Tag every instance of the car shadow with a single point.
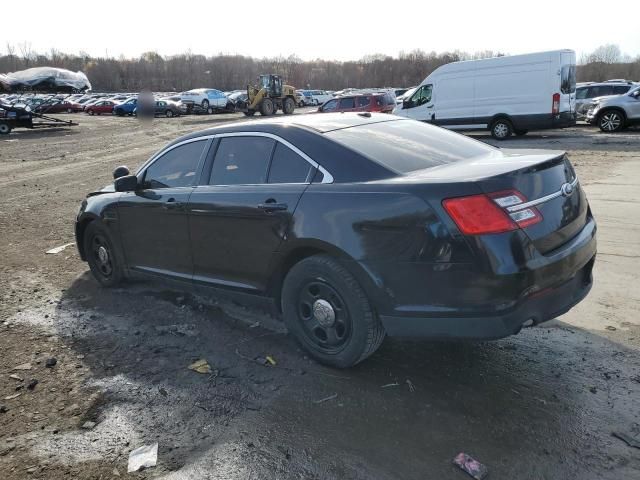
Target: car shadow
<point x="521" y="404"/>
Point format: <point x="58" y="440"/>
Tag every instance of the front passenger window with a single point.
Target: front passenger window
<point x="176" y="168"/>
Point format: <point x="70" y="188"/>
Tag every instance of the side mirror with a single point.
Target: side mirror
<point x="406" y="103"/>
<point x="120" y="171"/>
<point x="128" y="183"/>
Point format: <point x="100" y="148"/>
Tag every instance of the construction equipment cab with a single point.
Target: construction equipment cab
<point x="269" y="96"/>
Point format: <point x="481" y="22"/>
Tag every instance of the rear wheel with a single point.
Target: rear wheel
<point x="168" y="114"/>
<point x="501" y="129"/>
<point x="611" y="121"/>
<point x="5" y="128"/>
<point x="266" y="107"/>
<point x="69" y="110"/>
<point x="90" y="112"/>
<point x="205" y="105"/>
<point x="326" y="310"/>
<point x="520" y="133"/>
<point x="103" y="261"/>
<point x="288" y="106"/>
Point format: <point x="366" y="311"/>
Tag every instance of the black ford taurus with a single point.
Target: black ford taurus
<point x="357" y="226"/>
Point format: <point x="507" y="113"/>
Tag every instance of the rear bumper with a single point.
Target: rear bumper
<point x="462" y="302"/>
<point x="564" y="120"/>
<point x="537" y="309"/>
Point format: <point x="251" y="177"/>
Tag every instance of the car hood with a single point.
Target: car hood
<point x="107" y="189"/>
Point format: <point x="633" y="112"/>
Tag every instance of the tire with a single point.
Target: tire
<point x="90" y="112"/>
<point x="168" y="114"/>
<point x="520" y="133"/>
<point x="611" y="121"/>
<point x="5" y="128"/>
<point x="205" y="105"/>
<point x="69" y="110"/>
<point x="249" y="113"/>
<point x="105" y="265"/>
<point x="119" y="113"/>
<point x="501" y="129"/>
<point x="288" y="106"/>
<point x="327" y="311"/>
<point x="266" y="107"/>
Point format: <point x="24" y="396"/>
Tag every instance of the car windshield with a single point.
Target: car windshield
<point x="404" y="146"/>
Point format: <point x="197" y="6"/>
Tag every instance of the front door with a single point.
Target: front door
<point x="420" y="105"/>
<point x="239" y="218"/>
<point x="153" y="220"/>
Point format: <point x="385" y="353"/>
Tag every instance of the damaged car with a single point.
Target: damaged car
<point x="354" y="226"/>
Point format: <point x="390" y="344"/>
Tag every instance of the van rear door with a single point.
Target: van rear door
<point x="567" y="82"/>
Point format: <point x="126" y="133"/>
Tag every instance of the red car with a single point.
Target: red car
<point x="58" y="107"/>
<point x="365" y="102"/>
<point x="103" y="106"/>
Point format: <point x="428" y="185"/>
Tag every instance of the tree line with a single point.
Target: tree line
<point x="227" y="72"/>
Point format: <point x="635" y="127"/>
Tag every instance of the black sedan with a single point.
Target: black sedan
<point x="356" y="226"/>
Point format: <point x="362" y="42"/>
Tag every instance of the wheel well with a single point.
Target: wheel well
<point x="81" y="227"/>
<point x="617" y="109"/>
<point x="275" y="287"/>
<point x="500" y="116"/>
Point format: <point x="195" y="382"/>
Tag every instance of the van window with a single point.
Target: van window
<point x="568" y="79"/>
<point x="421" y="96"/>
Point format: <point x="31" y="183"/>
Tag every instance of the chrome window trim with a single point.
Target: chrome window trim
<point x="538" y="201"/>
<point x="327" y="177"/>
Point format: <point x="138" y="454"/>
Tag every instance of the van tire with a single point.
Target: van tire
<point x="501" y="129"/>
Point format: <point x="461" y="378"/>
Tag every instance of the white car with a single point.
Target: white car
<point x="207" y="98"/>
<point x="318" y="97"/>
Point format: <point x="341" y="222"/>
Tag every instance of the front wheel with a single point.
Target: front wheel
<point x="101" y="256"/>
<point x="611" y="121"/>
<point x="501" y="129"/>
<point x="5" y="128"/>
<point x="266" y="107"/>
<point x="326" y="310"/>
<point x="288" y="106"/>
<point x="168" y="114"/>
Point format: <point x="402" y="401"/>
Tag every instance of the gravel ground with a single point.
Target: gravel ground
<point x="542" y="404"/>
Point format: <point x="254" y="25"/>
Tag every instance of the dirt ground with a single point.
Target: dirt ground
<point x="539" y="405"/>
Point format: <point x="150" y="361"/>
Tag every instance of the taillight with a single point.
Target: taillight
<point x="555" y="104"/>
<point x="493" y="213"/>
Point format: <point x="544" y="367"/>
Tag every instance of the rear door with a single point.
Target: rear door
<point x="347" y="104"/>
<point x="239" y="216"/>
<point x="567" y="82"/>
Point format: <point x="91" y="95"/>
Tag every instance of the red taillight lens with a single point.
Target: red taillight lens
<point x="493" y="213"/>
<point x="478" y="214"/>
<point x="555" y="104"/>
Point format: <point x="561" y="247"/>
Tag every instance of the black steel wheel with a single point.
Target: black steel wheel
<point x="327" y="311"/>
<point x="101" y="256"/>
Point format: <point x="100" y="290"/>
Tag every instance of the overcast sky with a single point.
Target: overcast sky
<point x="329" y="29"/>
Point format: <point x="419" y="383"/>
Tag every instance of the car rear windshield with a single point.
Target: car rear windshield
<point x="404" y="146"/>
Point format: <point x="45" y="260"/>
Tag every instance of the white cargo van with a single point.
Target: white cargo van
<point x="506" y="95"/>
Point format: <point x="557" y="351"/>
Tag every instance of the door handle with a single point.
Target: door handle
<point x="271" y="206"/>
<point x="171" y="204"/>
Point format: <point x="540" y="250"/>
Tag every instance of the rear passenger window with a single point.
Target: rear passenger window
<point x="347" y="103"/>
<point x="287" y="166"/>
<point x="176" y="168"/>
<point x="241" y="161"/>
<point x="363" y="101"/>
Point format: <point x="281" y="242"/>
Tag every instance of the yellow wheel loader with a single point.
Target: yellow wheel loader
<point x="269" y="96"/>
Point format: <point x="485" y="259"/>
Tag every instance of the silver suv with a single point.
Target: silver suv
<point x="612" y="114"/>
<point x="586" y="92"/>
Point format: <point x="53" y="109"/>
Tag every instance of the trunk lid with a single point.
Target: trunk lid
<point x="535" y="174"/>
<point x="564" y="211"/>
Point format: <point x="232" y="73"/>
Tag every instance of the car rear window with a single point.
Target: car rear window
<point x="404" y="146"/>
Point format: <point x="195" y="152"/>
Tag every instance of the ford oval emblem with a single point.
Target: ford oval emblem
<point x="566" y="189"/>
